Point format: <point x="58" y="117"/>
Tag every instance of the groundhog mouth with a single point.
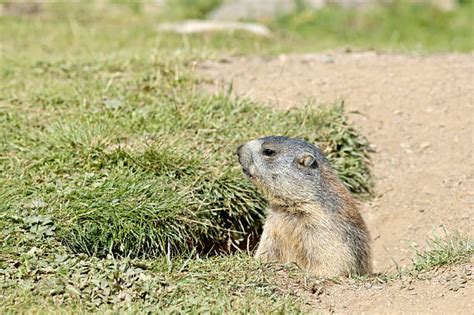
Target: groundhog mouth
<point x="246" y="172"/>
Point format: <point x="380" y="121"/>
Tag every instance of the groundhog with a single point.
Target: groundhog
<point x="312" y="219"/>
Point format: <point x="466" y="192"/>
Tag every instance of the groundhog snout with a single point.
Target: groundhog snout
<point x="245" y="159"/>
<point x="240" y="155"/>
<point x="238" y="150"/>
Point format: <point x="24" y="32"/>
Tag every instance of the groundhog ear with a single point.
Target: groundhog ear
<point x="307" y="160"/>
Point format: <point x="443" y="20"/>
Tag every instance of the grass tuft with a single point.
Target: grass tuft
<point x="445" y="250"/>
<point x="186" y="192"/>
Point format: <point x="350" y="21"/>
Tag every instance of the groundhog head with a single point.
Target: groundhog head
<point x="287" y="170"/>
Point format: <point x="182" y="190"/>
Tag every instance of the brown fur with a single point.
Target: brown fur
<point x="314" y="236"/>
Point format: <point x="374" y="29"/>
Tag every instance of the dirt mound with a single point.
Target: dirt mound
<point x="418" y="113"/>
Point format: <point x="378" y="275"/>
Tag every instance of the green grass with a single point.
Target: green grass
<point x="40" y="275"/>
<point x="443" y="250"/>
<point x="89" y="32"/>
<point x="402" y="26"/>
<point x="397" y="27"/>
<point x="45" y="280"/>
<point x="191" y="9"/>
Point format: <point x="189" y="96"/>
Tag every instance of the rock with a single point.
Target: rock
<point x="204" y="26"/>
<point x="233" y="10"/>
<point x="322" y="58"/>
<point x="425" y="145"/>
<point x="258" y="10"/>
<point x="21" y="8"/>
<point x="249" y="9"/>
<point x="356" y="4"/>
<point x="443" y="5"/>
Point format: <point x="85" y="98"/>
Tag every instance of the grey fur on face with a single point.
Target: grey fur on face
<point x="292" y="166"/>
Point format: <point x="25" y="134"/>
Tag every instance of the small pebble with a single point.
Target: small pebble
<point x="425" y="145"/>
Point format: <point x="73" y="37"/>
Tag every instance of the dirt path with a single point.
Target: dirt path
<point x="418" y="111"/>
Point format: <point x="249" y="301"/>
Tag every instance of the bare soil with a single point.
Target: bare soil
<point x="417" y="111"/>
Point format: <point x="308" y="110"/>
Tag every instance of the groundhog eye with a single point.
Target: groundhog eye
<point x="268" y="152"/>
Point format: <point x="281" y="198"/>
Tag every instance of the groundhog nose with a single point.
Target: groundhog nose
<point x="238" y="149"/>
